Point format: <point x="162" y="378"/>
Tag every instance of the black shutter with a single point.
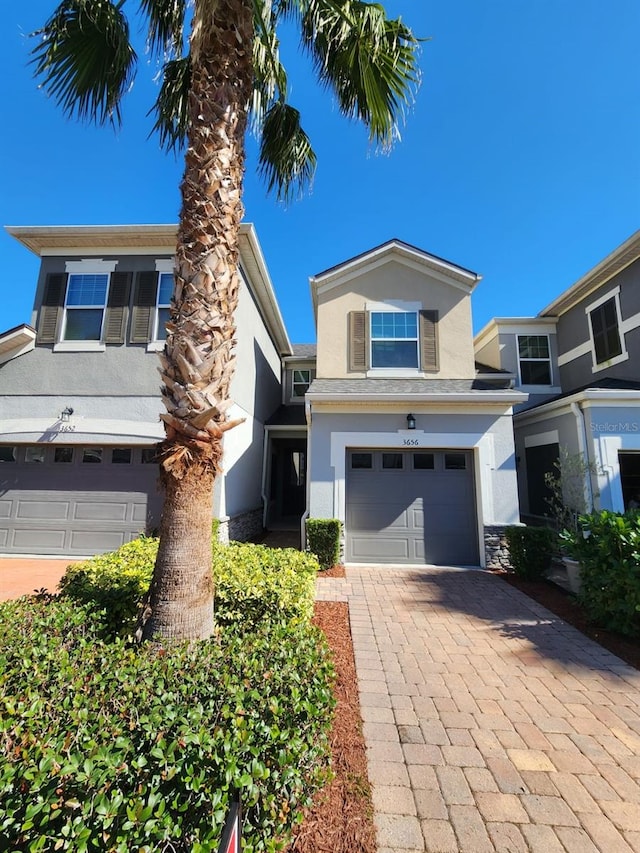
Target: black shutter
<point x="429" y="340"/>
<point x="117" y="307"/>
<point x="358" y="340"/>
<point x="144" y="303"/>
<point x="51" y="308"/>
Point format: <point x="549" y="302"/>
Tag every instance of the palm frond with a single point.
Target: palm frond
<point x="367" y="60"/>
<point x="166" y="24"/>
<point x="171" y="108"/>
<point x="269" y="75"/>
<point x="286" y="162"/>
<point x="85" y="60"/>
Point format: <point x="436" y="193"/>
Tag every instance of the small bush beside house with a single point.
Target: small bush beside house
<point x="530" y="550"/>
<point x="109" y="746"/>
<point x="323" y="537"/>
<point x="609" y="556"/>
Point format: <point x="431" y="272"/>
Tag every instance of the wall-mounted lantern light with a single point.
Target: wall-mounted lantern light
<point x="66" y="413"/>
<point x="411" y="422"/>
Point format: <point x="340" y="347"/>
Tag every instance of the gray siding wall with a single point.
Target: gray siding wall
<point x="573" y="330"/>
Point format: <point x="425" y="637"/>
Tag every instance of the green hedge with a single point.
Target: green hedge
<point x="114" y="582"/>
<point x="531" y="550"/>
<point x="323" y="537"/>
<point x="105" y="746"/>
<point x="609" y="557"/>
<point x="253" y="583"/>
<point x="256" y="583"/>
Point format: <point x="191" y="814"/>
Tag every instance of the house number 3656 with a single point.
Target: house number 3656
<point x="410" y="442"/>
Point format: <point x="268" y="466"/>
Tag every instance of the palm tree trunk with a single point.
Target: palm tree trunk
<point x="198" y="362"/>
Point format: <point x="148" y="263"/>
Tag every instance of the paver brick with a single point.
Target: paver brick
<point x="387" y="772"/>
<point x="539" y="782"/>
<point x="470" y="830"/>
<point x="430" y="805"/>
<point x="550" y="810"/>
<point x="623" y="815"/>
<point x="439" y="837"/>
<point x="480" y="779"/>
<point x="576" y="840"/>
<point x="393" y="799"/>
<point x="508" y="779"/>
<point x="542" y="839"/>
<point x="507" y="838"/>
<point x="604" y="833"/>
<point x="454" y="786"/>
<point x="398" y="831"/>
<point x="463" y="756"/>
<point x="505" y="808"/>
<point x="530" y="759"/>
<point x="422" y="753"/>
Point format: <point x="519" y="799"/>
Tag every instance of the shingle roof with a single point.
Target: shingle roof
<point x="395" y="387"/>
<point x="304" y="350"/>
<point x="287" y="416"/>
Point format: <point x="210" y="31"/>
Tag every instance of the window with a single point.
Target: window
<point x="361" y="461"/>
<point x="7" y="454"/>
<point x="423" y="461"/>
<point x="121" y="456"/>
<point x="165" y="289"/>
<point x="455" y="462"/>
<point x="148" y="455"/>
<point x="300" y="383"/>
<point x="34" y="454"/>
<point x="392" y="461"/>
<point x="63" y="454"/>
<point x="607" y="343"/>
<point x="85" y="304"/>
<point x="394" y="339"/>
<point x="92" y="455"/>
<point x="534" y="359"/>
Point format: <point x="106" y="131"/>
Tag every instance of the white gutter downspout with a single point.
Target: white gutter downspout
<point x="305" y="515"/>
<point x="583" y="446"/>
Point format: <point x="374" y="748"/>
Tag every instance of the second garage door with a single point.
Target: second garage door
<point x="411" y="507"/>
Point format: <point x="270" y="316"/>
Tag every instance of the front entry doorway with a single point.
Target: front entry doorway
<point x="288" y="483"/>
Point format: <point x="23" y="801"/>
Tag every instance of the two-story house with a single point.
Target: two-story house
<point x="80" y="392"/>
<point x="579" y="361"/>
<point x="410" y="443"/>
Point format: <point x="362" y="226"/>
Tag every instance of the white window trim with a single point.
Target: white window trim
<point x="544" y="385"/>
<point x="86" y="266"/>
<point x="395" y="307"/>
<point x="307" y="370"/>
<point x="614" y="294"/>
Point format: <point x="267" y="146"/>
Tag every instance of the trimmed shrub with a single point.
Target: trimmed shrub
<point x="531" y="550"/>
<point x="114" y="582"/>
<point x="255" y="583"/>
<point x="609" y="556"/>
<point x="112" y="747"/>
<point x="323" y="537"/>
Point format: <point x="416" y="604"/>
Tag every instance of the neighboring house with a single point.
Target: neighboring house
<point x="410" y="443"/>
<point x="80" y="391"/>
<point x="579" y="361"/>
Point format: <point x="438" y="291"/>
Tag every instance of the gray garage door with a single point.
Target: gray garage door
<point x="75" y="500"/>
<point x="411" y="507"/>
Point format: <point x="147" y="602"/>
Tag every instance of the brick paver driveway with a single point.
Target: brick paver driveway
<point x="490" y="724"/>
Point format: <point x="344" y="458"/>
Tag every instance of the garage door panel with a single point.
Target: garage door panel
<point x="378" y="517"/>
<point x="4" y="538"/>
<point x="101" y="511"/>
<point x="99" y="540"/>
<point x="49" y="510"/>
<point x="5" y="509"/>
<point x="37" y="540"/>
<point x="412" y="515"/>
<point x="387" y="549"/>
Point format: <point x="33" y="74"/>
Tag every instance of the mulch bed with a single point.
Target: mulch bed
<point x="341" y="820"/>
<point x="565" y="605"/>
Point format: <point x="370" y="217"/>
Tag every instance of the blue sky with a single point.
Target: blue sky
<point x="520" y="159"/>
